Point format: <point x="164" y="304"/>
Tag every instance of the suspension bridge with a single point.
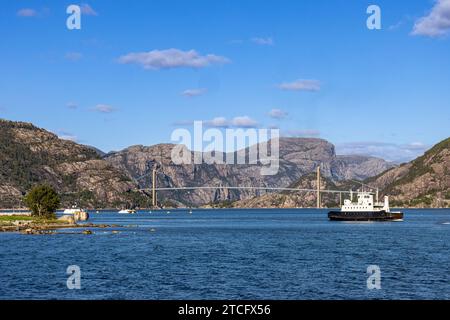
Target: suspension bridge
<point x="318" y="190"/>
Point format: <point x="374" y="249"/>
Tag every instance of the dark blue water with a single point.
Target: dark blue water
<point x="234" y="254"/>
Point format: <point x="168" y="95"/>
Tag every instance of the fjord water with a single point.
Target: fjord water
<point x="233" y="254"/>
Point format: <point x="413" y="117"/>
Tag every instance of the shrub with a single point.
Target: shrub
<point x="42" y="201"/>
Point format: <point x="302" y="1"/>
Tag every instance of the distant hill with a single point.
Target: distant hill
<point x="423" y="182"/>
<point x="30" y="156"/>
<point x="295" y="199"/>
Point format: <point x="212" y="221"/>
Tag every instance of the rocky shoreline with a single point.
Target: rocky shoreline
<point x="34" y="228"/>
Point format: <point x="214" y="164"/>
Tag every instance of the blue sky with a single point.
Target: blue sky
<point x="137" y="70"/>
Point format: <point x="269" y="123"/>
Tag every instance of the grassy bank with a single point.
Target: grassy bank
<point x="21" y="223"/>
<point x="16" y="218"/>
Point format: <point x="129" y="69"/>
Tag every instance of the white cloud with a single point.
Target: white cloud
<point x="104" y="108"/>
<point x="389" y="151"/>
<point x="301" y="133"/>
<point x="263" y="41"/>
<point x="87" y="10"/>
<point x="218" y="122"/>
<point x="436" y="23"/>
<point x="171" y="58"/>
<point x="278" y="114"/>
<point x="27" y="12"/>
<point x="194" y="92"/>
<point x="301" y="85"/>
<point x="73" y="56"/>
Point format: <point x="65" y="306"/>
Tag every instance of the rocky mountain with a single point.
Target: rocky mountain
<point x="358" y="167"/>
<point x="298" y="157"/>
<point x="30" y="156"/>
<point x="424" y="182"/>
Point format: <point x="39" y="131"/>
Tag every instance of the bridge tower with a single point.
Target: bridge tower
<point x="154" y="200"/>
<point x="318" y="187"/>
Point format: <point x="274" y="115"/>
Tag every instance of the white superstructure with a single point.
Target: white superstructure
<point x="365" y="203"/>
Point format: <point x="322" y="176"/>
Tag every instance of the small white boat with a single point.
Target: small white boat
<point x="127" y="211"/>
<point x="74" y="210"/>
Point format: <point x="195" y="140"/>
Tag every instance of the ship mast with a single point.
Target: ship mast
<point x="370" y="187"/>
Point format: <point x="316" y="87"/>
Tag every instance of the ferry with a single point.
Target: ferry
<point x="365" y="209"/>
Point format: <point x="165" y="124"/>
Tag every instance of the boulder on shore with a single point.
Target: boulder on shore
<point x="68" y="219"/>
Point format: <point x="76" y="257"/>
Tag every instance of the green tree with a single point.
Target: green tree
<point x="42" y="201"/>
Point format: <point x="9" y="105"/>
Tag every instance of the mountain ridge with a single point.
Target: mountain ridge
<point x="85" y="175"/>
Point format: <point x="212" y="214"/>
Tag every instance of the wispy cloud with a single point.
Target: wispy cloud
<point x="73" y="56"/>
<point x="218" y="122"/>
<point x="301" y="133"/>
<point x="104" y="108"/>
<point x="388" y="151"/>
<point x="64" y="135"/>
<point x="301" y="85"/>
<point x="263" y="41"/>
<point x="72" y="105"/>
<point x="395" y="26"/>
<point x="87" y="10"/>
<point x="278" y="114"/>
<point x="244" y="122"/>
<point x="194" y="92"/>
<point x="436" y="23"/>
<point x="31" y="13"/>
<point x="27" y="13"/>
<point x="172" y="58"/>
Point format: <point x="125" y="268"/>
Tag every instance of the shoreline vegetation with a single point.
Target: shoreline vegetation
<point x="35" y="225"/>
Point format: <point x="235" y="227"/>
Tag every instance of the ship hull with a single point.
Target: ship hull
<point x="365" y="216"/>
